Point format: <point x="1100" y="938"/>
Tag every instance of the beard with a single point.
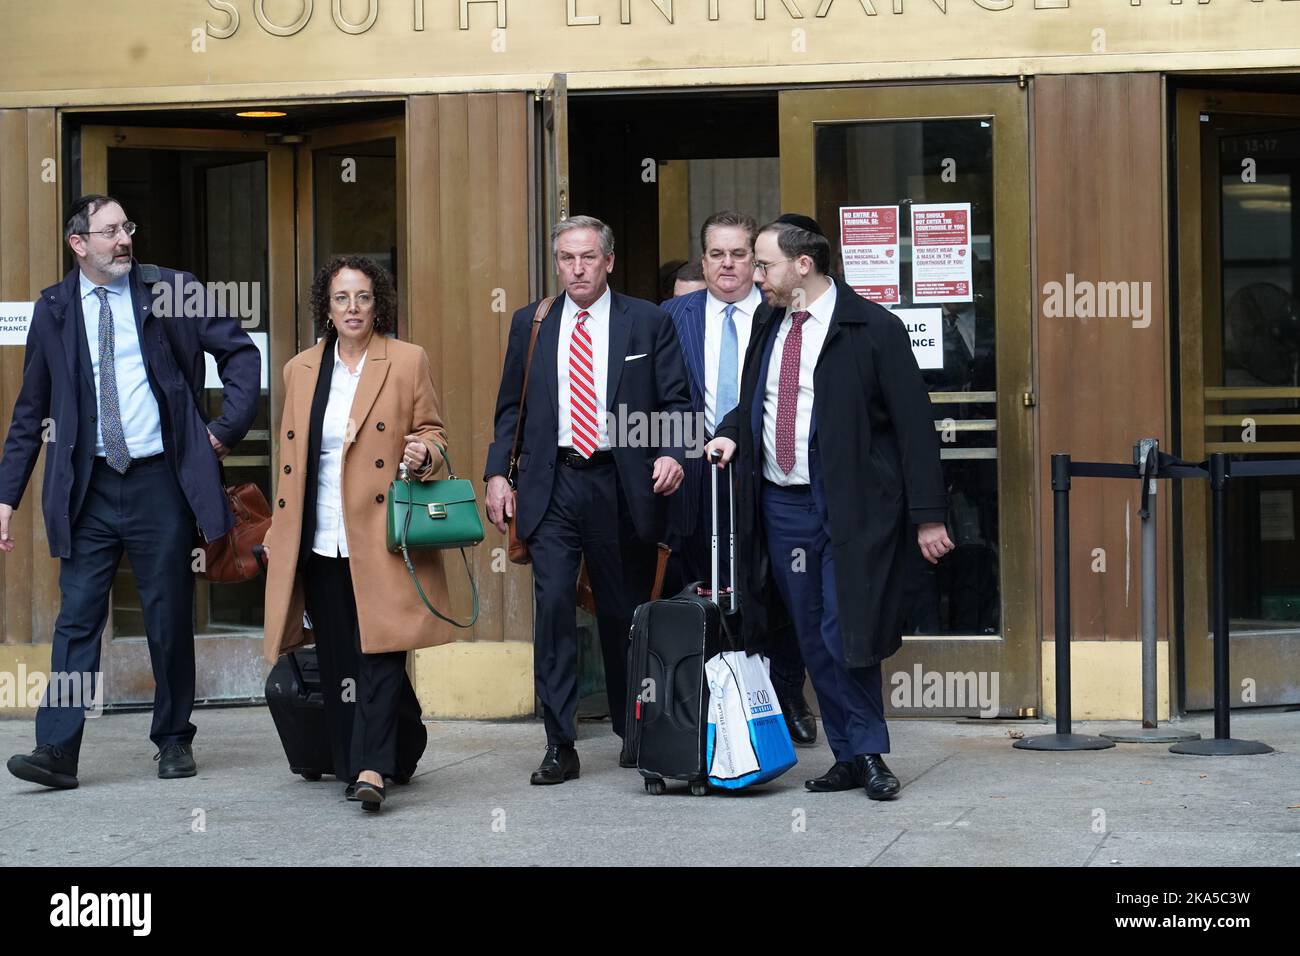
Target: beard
<point x="107" y="264"/>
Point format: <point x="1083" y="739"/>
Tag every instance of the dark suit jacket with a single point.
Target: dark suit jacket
<point x="686" y="508"/>
<point x="653" y="382"/>
<point x="58" y="384"/>
<point x="874" y="467"/>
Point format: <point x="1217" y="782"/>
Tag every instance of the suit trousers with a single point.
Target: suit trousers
<point x="371" y="708"/>
<point x="587" y="517"/>
<point x="852" y="701"/>
<point x="143" y="514"/>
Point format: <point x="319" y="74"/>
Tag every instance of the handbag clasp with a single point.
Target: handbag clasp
<point x="437" y="510"/>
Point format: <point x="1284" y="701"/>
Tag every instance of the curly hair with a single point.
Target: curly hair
<point x="385" y="294"/>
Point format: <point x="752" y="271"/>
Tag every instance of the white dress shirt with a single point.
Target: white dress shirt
<point x="598" y="327"/>
<point x="331" y="536"/>
<point x="141" y="421"/>
<point x="713" y="319"/>
<point x="815" y="328"/>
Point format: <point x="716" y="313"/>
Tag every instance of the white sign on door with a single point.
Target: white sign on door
<point x="15" y="320"/>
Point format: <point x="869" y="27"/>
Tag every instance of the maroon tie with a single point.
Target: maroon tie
<point x="787" y="393"/>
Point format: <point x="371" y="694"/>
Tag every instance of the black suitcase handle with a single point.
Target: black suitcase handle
<point x="731" y="528"/>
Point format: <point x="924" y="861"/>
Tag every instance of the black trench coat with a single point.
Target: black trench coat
<point x="874" y="457"/>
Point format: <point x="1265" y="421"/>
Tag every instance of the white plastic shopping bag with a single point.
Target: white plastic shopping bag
<point x="748" y="741"/>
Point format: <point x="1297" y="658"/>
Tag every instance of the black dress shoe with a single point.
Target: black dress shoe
<point x="800" y="721"/>
<point x="839" y="777"/>
<point x="175" y="761"/>
<point x="371" y="795"/>
<point x="350" y="792"/>
<point x="46" y="765"/>
<point x="875" y="777"/>
<point x="402" y="779"/>
<point x="559" y="764"/>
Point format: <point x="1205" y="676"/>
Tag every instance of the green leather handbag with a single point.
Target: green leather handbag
<point x="429" y="515"/>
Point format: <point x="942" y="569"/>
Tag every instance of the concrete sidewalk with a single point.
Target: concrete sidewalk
<point x="968" y="799"/>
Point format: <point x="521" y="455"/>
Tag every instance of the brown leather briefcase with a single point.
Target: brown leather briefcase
<point x="229" y="559"/>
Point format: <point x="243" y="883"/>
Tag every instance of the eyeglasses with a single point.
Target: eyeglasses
<point x="718" y="255"/>
<point x="341" y="300"/>
<point x="767" y="266"/>
<point x="108" y="232"/>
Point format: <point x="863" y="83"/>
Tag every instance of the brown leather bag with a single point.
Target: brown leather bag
<point x="229" y="559"/>
<point x="517" y="550"/>
<point x="587" y="597"/>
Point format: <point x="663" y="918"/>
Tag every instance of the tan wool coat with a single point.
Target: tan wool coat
<point x="395" y="397"/>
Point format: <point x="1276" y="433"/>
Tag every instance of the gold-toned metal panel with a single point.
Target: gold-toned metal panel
<point x="1252" y="448"/>
<point x="214" y="50"/>
<point x="948" y="398"/>
<point x="1219" y="393"/>
<point x="555" y="171"/>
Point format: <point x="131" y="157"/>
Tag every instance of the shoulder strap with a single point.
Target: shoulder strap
<point x="543" y="307"/>
<point x="410" y="568"/>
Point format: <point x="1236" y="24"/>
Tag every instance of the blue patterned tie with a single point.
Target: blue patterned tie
<point x="728" y="387"/>
<point x="110" y="413"/>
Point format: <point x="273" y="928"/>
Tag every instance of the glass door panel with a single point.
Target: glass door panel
<point x="214" y="204"/>
<point x="1241" y="392"/>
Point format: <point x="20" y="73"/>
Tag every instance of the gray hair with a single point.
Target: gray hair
<point x="583" y="222"/>
<point x="728" y="217"/>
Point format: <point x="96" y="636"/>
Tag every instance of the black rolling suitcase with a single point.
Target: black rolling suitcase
<point x="293" y="695"/>
<point x="668" y="699"/>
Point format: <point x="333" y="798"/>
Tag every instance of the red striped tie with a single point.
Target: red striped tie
<point x="582" y="388"/>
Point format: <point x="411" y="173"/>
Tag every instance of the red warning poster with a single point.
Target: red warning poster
<point x="869" y="248"/>
<point x="941" y="257"/>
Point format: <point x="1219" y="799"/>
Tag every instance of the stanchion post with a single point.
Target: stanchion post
<point x="1146" y="455"/>
<point x="1219" y="586"/>
<point x="1063" y="739"/>
<point x="1222" y="745"/>
<point x="1061" y="570"/>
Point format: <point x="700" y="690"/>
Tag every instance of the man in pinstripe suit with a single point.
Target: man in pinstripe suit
<point x="714" y="327"/>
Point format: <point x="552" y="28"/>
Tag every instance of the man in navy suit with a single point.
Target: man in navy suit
<point x="595" y="466"/>
<point x="714" y="327"/>
<point x="838" y="481"/>
<point x="110" y="388"/>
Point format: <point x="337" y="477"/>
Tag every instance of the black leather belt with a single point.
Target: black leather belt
<point x="571" y="458"/>
<point x="789" y="489"/>
<point x="135" y="462"/>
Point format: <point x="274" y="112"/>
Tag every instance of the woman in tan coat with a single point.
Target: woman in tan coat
<point x="357" y="404"/>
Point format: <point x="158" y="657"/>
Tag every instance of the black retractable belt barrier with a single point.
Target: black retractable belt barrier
<point x="1150" y="466"/>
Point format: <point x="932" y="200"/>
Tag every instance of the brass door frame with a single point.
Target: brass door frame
<point x="1014" y="654"/>
<point x="327" y="137"/>
<point x="1198" y="237"/>
<point x="126" y="664"/>
<point x="554" y="168"/>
